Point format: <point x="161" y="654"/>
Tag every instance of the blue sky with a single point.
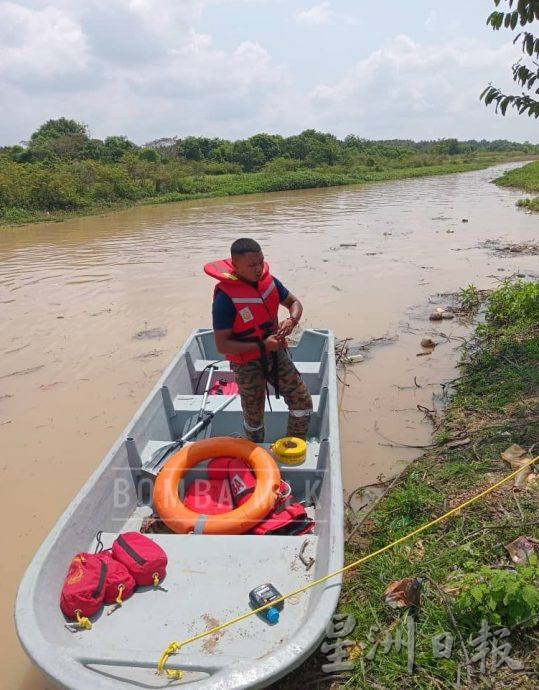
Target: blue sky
<point x="232" y="68"/>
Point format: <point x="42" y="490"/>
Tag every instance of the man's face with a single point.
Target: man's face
<point x="249" y="266"/>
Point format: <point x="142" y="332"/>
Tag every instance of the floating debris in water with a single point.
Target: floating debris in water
<point x="500" y="247"/>
<point x="442" y="313"/>
<point x="149" y="355"/>
<point x="150" y="333"/>
<point x="23" y="372"/>
<point x="428" y="343"/>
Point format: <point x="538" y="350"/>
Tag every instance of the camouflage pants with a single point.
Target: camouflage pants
<point x="252" y="385"/>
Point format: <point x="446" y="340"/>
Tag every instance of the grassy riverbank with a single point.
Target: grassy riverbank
<point x="206" y="186"/>
<point x="526" y="178"/>
<point x="64" y="175"/>
<point x="466" y="573"/>
<point x="253" y="183"/>
<point x="63" y="172"/>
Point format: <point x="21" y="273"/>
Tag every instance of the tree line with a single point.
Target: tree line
<point x="65" y="139"/>
<point x="63" y="168"/>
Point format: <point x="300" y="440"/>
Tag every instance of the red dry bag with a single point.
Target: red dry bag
<point x="84" y="586"/>
<point x="145" y="560"/>
<point x="119" y="583"/>
<point x="224" y="387"/>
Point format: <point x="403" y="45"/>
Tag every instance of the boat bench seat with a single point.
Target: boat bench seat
<point x="315" y="460"/>
<point x="303" y="367"/>
<point x="191" y="404"/>
<point x="176" y="543"/>
<point x="311" y="372"/>
<point x="230" y="419"/>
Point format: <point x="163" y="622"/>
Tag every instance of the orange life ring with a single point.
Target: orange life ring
<point x="181" y="519"/>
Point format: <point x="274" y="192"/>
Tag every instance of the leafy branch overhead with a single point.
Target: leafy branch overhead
<point x="525" y="70"/>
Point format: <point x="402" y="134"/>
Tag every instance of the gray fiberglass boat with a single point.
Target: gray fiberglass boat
<point x="209" y="576"/>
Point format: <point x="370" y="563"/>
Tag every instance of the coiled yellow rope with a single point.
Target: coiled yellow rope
<point x="175" y="646"/>
<point x="82" y="621"/>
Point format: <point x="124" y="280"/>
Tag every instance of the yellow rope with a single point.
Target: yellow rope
<point x="83" y="621"/>
<point x="175" y="646"/>
<point x="118" y="599"/>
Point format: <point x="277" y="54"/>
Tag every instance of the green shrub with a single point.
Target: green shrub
<point x="501" y="597"/>
<point x="14" y="215"/>
<point x="469" y="298"/>
<point x="514" y="304"/>
<point x="531" y="204"/>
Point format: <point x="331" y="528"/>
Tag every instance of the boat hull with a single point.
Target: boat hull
<point x="208" y="576"/>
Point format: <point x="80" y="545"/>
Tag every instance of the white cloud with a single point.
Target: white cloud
<point x="169" y="20"/>
<point x="130" y="69"/>
<point x="317" y="15"/>
<point x="197" y="69"/>
<point x="147" y="69"/>
<point x="322" y="15"/>
<point x="45" y="42"/>
<point x="406" y="81"/>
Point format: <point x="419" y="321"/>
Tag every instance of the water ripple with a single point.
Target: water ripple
<point x="154" y="238"/>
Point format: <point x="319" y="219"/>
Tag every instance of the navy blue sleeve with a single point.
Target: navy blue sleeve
<point x="223" y="311"/>
<point x="283" y="292"/>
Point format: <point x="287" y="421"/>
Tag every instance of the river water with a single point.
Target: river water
<point x="93" y="309"/>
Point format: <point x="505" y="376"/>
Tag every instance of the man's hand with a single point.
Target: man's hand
<point x="272" y="343"/>
<point x="285" y="328"/>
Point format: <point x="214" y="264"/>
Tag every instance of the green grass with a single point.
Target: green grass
<point x="253" y="183"/>
<point x="531" y="204"/>
<point x="19" y="216"/>
<point x="496" y="404"/>
<point x="504" y="358"/>
<point x="500" y="375"/>
<point x="526" y="178"/>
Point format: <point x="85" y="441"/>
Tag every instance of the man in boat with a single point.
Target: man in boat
<point x="245" y="309"/>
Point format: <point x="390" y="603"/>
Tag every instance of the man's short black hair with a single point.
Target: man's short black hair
<point x="243" y="246"/>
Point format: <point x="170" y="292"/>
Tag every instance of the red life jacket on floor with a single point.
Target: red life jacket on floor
<point x="256" y="307"/>
<point x="209" y="496"/>
<point x="287" y="517"/>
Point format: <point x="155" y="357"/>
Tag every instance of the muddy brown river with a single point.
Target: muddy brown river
<point x="93" y="309"/>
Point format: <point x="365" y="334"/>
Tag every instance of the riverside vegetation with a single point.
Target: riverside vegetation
<point x="526" y="178"/>
<point x="62" y="171"/>
<point x="467" y="575"/>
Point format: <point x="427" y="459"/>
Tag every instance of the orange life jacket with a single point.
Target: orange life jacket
<point x="256" y="307"/>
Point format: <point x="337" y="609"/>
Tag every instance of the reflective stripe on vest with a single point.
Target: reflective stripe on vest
<point x="248" y="300"/>
<point x="255" y="300"/>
